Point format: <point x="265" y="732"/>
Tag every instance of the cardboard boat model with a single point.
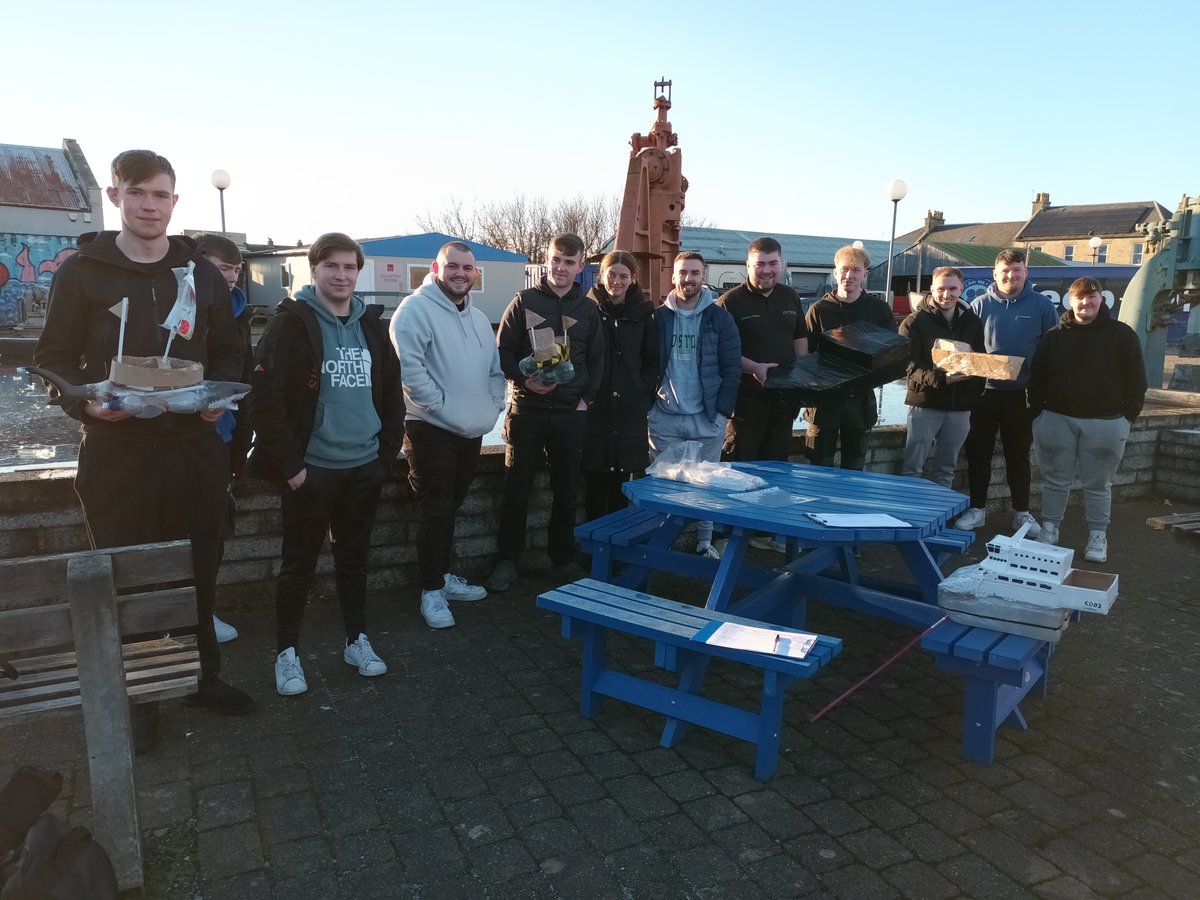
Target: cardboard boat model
<point x="855" y="357"/>
<point x="1025" y="587"/>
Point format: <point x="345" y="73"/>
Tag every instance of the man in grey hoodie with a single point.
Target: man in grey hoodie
<point x="453" y="393"/>
<point x="328" y="417"/>
<point x="700" y="364"/>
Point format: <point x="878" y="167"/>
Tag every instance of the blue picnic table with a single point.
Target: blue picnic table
<point x="820" y="560"/>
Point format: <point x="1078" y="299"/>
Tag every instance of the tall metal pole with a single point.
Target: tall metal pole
<point x="221" y="191"/>
<point x="887" y="288"/>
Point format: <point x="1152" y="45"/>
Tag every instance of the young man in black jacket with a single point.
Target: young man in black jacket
<point x="142" y="480"/>
<point x="939" y="403"/>
<point x="546" y="419"/>
<point x="1086" y="386"/>
<point x="328" y="416"/>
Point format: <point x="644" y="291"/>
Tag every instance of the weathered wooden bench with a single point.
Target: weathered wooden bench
<point x="590" y="609"/>
<point x="1184" y="527"/>
<point x="1000" y="670"/>
<point x="84" y="629"/>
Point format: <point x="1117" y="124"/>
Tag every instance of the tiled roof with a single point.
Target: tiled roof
<point x="1109" y="219"/>
<point x="992" y="234"/>
<point x="39" y="177"/>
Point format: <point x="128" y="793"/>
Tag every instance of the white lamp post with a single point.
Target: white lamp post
<point x="220" y="180"/>
<point x="1094" y="242"/>
<point x="896" y="192"/>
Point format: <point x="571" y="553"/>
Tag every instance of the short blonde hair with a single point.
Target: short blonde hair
<point x="850" y="252"/>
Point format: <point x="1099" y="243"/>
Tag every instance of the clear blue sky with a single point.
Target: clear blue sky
<point x="792" y="116"/>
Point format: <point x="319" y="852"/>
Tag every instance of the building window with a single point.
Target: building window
<point x="1037" y="249"/>
<point x="1069" y="252"/>
<point x="1102" y="254"/>
<point x="416" y="275"/>
<point x="1136" y="258"/>
<point x="478" y="289"/>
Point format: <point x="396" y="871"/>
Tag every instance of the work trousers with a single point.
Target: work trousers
<point x="602" y="493"/>
<point x="844" y="421"/>
<point x="761" y="426"/>
<point x="441" y="466"/>
<point x="1094" y="447"/>
<point x="342" y="504"/>
<point x="1006" y="412"/>
<point x="941" y="430"/>
<point x="144" y="491"/>
<point x="531" y="436"/>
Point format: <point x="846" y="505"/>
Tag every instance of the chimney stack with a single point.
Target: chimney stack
<point x="1040" y="202"/>
<point x="934" y="219"/>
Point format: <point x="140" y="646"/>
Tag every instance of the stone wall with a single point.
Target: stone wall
<point x="40" y="514"/>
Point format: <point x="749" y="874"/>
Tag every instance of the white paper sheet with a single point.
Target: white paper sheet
<point x="858" y="520"/>
<point x="762" y="640"/>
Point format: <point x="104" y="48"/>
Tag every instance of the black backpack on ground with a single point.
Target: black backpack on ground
<point x="41" y="856"/>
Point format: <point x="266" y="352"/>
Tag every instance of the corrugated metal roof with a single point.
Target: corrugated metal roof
<point x="38" y="177"/>
<point x="1111" y="219"/>
<point x="426" y="246"/>
<point x="729" y="245"/>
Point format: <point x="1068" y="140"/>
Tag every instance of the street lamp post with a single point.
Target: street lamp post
<point x="1094" y="242"/>
<point x="896" y="192"/>
<point x="220" y="180"/>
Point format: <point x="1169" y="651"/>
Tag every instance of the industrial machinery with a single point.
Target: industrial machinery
<point x="1165" y="279"/>
<point x="652" y="205"/>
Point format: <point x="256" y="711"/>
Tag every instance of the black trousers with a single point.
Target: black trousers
<point x="846" y="421"/>
<point x="530" y="436"/>
<point x="1008" y="413"/>
<point x="761" y="426"/>
<point x="441" y="466"/>
<point x="602" y="492"/>
<point x="342" y="503"/>
<point x="140" y="492"/>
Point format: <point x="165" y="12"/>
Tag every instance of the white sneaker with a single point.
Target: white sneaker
<point x="708" y="551"/>
<point x="1049" y="533"/>
<point x="360" y="655"/>
<point x="435" y="609"/>
<point x="1097" y="548"/>
<point x="289" y="676"/>
<point x="1024" y="518"/>
<point x="970" y="520"/>
<point x="225" y="631"/>
<point x="457" y="589"/>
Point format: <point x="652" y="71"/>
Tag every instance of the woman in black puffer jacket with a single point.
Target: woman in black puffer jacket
<point x="615" y="448"/>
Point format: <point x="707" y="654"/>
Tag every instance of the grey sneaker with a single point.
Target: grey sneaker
<point x="224" y="631"/>
<point x="708" y="551"/>
<point x="502" y="576"/>
<point x="1049" y="533"/>
<point x="289" y="676"/>
<point x="435" y="609"/>
<point x="458" y="589"/>
<point x="1025" y="518"/>
<point x="970" y="520"/>
<point x="360" y="655"/>
<point x="1097" y="548"/>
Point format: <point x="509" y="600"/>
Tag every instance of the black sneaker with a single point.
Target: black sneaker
<point x="219" y="697"/>
<point x="502" y="576"/>
<point x="568" y="571"/>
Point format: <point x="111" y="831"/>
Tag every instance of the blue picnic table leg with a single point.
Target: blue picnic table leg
<point x="691" y="679"/>
<point x="595" y="648"/>
<point x="979" y="720"/>
<point x="770" y="724"/>
<point x="727" y="571"/>
<point x="927" y="575"/>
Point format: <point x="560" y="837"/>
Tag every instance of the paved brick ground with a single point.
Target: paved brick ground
<point x="467" y="771"/>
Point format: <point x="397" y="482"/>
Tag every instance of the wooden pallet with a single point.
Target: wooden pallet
<point x="1184" y="527"/>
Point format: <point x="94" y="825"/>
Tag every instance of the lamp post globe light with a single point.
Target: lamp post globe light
<point x="1094" y="242"/>
<point x="896" y="191"/>
<point x="220" y="180"/>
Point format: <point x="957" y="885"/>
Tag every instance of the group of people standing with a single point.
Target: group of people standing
<point x="338" y="394"/>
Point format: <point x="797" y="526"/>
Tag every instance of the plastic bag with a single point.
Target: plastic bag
<point x="681" y="462"/>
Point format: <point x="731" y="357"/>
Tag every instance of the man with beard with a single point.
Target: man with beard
<point x="1087" y="383"/>
<point x="845" y="419"/>
<point x="939" y="403"/>
<point x="700" y="362"/>
<point x="770" y="322"/>
<point x="1014" y="317"/>
<point x="453" y="392"/>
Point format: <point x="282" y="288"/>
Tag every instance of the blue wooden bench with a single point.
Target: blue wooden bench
<point x="1000" y="670"/>
<point x="591" y="608"/>
<point x="949" y="542"/>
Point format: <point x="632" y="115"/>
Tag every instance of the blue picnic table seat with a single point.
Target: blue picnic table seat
<point x="999" y="669"/>
<point x="591" y="608"/>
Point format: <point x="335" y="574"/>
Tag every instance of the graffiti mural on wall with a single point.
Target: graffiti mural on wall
<point x="27" y="263"/>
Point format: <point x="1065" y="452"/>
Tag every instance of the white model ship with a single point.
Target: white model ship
<point x="1025" y="587"/>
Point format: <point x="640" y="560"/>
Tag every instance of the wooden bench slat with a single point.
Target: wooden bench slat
<point x="31" y="579"/>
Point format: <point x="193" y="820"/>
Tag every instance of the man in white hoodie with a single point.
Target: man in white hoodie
<point x="453" y="393"/>
<point x="700" y="365"/>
